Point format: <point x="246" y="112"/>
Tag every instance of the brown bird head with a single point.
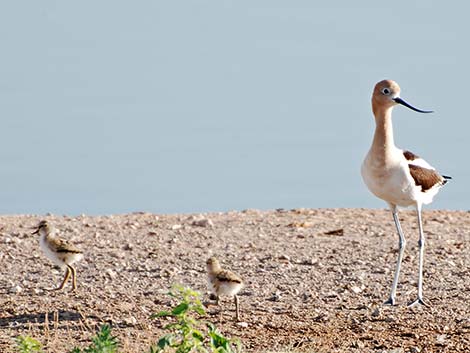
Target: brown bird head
<point x="387" y="94"/>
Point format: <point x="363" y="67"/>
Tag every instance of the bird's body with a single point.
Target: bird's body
<point x="59" y="252"/>
<point x="401" y="180"/>
<point x="397" y="176"/>
<point x="223" y="282"/>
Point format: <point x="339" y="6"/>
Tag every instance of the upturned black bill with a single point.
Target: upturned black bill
<point x="402" y="102"/>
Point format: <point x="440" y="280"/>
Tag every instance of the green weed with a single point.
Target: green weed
<point x="103" y="342"/>
<point x="26" y="344"/>
<point x="187" y="333"/>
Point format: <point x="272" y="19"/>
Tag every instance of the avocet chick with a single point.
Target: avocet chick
<point x="224" y="282"/>
<point x="59" y="252"/>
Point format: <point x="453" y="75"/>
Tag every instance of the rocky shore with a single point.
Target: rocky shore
<point x="315" y="279"/>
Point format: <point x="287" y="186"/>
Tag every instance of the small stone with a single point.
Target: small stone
<point x="358" y="344"/>
<point x="117" y="254"/>
<point x="203" y="222"/>
<point x="284" y="257"/>
<point x="275" y="297"/>
<point x="309" y="262"/>
<point x="441" y="339"/>
<point x="242" y="324"/>
<point x="300" y="225"/>
<point x="322" y="317"/>
<point x="415" y="350"/>
<point x="130" y="321"/>
<point x="112" y="274"/>
<point x="356" y="289"/>
<point x="16" y="289"/>
<point x="396" y="350"/>
<point x="176" y="226"/>
<point x="376" y="312"/>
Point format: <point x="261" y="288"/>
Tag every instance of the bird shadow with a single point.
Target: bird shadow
<point x="52" y="318"/>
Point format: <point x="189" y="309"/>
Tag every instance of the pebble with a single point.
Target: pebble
<point x="358" y="344"/>
<point x="117" y="255"/>
<point x="284" y="257"/>
<point x="203" y="222"/>
<point x="309" y="262"/>
<point x="396" y="350"/>
<point x="441" y="339"/>
<point x="130" y="321"/>
<point x="306" y="296"/>
<point x="356" y="289"/>
<point x="276" y="296"/>
<point x="112" y="274"/>
<point x="133" y="225"/>
<point x="16" y="289"/>
<point x="242" y="324"/>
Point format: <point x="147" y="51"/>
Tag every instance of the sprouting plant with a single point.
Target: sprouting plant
<point x="221" y="344"/>
<point x="26" y="344"/>
<point x="187" y="333"/>
<point x="102" y="342"/>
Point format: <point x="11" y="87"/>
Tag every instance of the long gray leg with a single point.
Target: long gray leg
<point x="401" y="250"/>
<point x="420" y="300"/>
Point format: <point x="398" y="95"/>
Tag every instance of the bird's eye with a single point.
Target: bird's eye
<point x="386" y="91"/>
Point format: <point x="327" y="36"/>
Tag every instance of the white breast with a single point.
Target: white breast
<point x="229" y="289"/>
<point x="392" y="183"/>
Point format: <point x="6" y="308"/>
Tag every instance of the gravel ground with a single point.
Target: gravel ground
<point x="315" y="279"/>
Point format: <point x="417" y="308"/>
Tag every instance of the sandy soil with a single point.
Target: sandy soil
<point x="315" y="279"/>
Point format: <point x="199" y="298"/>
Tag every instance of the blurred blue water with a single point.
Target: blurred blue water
<point x="112" y="107"/>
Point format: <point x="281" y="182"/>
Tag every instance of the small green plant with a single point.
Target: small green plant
<point x="103" y="342"/>
<point x="26" y="344"/>
<point x="188" y="334"/>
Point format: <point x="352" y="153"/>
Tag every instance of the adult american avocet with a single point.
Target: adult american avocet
<point x="398" y="177"/>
